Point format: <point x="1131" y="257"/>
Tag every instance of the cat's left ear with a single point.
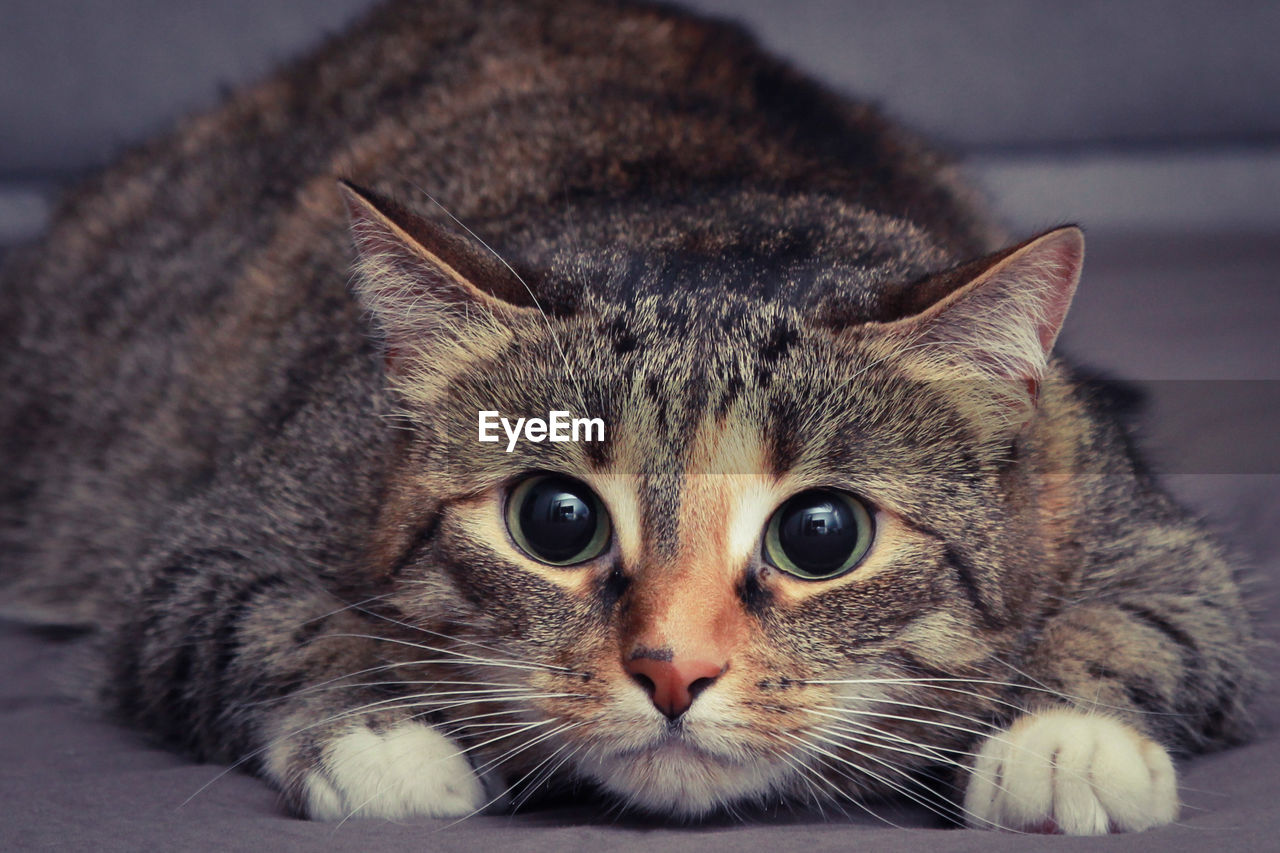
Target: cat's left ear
<point x="439" y="300"/>
<point x="996" y="328"/>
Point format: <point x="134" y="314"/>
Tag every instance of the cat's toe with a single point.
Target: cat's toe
<point x="1065" y="771"/>
<point x="409" y="770"/>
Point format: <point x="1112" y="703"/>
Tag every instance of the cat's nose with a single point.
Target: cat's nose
<point x="673" y="683"/>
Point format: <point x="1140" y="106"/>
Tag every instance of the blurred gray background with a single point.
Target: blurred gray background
<point x="1126" y="114"/>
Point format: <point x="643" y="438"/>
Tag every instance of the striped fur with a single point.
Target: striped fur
<point x="257" y="477"/>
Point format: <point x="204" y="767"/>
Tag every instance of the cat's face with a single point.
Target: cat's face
<point x="751" y="586"/>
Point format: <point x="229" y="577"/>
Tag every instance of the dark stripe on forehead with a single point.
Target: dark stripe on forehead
<point x="781" y="338"/>
<point x="728" y="395"/>
<point x="685" y="404"/>
<point x="659" y="497"/>
<point x="784" y="438"/>
<point x="600" y="453"/>
<point x="656" y="395"/>
<point x="624" y="340"/>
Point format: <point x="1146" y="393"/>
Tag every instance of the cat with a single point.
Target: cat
<point x="849" y="523"/>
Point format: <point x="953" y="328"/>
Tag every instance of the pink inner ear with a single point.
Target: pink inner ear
<point x="1007" y="318"/>
<point x="1065" y="256"/>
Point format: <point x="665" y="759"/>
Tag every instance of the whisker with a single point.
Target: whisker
<point x="838" y="790"/>
<point x="995" y="734"/>
<point x="357" y="605"/>
<point x="921" y="750"/>
<point x="989" y="727"/>
<point x="457" y="730"/>
<point x="377" y="793"/>
<point x="389" y="704"/>
<point x="503" y="690"/>
<point x="418" y="700"/>
<point x="428" y="631"/>
<point x="510" y="754"/>
<point x="803" y="773"/>
<point x="524" y="728"/>
<point x="327" y="683"/>
<point x="546" y="776"/>
<point x="944" y="810"/>
<point x="860" y="738"/>
<point x="448" y="726"/>
<point x="466" y="658"/>
<point x="582" y="397"/>
<point x="932" y="683"/>
<point x="992" y="732"/>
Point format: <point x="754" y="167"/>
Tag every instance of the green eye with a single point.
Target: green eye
<point x="557" y="520"/>
<point x="818" y="534"/>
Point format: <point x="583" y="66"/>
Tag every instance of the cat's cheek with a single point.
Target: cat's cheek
<point x="1074" y="773"/>
<point x="411" y="770"/>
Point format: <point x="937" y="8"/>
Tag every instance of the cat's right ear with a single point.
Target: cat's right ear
<point x="991" y="325"/>
<point x="438" y="300"/>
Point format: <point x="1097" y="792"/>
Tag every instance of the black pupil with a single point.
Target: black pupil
<point x="558" y="518"/>
<point x="817" y="532"/>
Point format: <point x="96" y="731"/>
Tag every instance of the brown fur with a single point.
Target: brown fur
<point x="253" y="482"/>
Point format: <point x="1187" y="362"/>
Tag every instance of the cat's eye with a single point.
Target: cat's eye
<point x="818" y="534"/>
<point x="557" y="520"/>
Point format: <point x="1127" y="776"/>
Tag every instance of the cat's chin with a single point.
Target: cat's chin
<point x="676" y="779"/>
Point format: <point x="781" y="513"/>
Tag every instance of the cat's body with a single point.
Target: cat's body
<point x="748" y="279"/>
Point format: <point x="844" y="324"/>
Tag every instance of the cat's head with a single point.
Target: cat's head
<point x="797" y="530"/>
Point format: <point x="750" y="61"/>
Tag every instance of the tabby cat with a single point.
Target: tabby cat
<point x="850" y="524"/>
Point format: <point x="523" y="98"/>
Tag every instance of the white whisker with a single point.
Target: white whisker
<point x="459" y="657"/>
<point x="510" y="754"/>
<point x="934" y="683"/>
<point x="845" y="794"/>
<point x="568" y="368"/>
<point x="945" y="810"/>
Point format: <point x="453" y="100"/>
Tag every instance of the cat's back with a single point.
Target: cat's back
<point x="186" y="301"/>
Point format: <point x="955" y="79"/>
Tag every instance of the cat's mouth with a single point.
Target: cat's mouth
<point x="677" y="773"/>
<point x="677" y="743"/>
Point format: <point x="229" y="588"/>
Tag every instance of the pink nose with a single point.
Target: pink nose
<point x="672" y="684"/>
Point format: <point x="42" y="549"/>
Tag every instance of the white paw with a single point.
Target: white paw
<point x="1065" y="771"/>
<point x="410" y="770"/>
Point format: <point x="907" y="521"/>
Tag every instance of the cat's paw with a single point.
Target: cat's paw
<point x="410" y="770"/>
<point x="1066" y="771"/>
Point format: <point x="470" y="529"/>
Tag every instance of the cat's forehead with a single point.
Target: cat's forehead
<point x="705" y="356"/>
<point x="672" y="293"/>
<point x="715" y="261"/>
<point x="760" y="391"/>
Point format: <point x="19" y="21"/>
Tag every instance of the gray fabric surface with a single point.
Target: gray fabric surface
<point x="1154" y="306"/>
